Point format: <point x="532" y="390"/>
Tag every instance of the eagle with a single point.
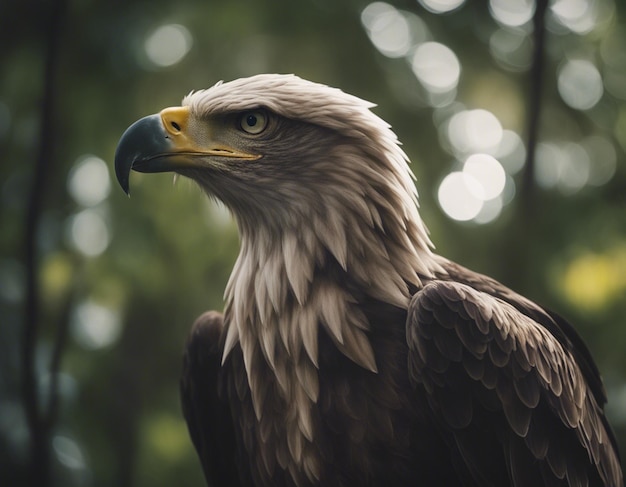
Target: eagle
<point x="349" y="353"/>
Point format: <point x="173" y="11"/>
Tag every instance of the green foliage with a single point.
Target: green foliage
<point x="170" y="249"/>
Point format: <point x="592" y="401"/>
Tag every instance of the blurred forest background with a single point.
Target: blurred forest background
<point x="97" y="293"/>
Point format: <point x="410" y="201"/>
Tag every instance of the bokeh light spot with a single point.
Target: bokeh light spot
<point x="472" y="131"/>
<point x="56" y="275"/>
<point x="602" y="157"/>
<point x="512" y="13"/>
<point x="511" y="152"/>
<point x="168" y="44"/>
<point x="575" y="174"/>
<point x="95" y="326"/>
<point x="387" y="28"/>
<point x="441" y="6"/>
<point x="563" y="166"/>
<point x="582" y="16"/>
<point x="509" y="190"/>
<point x="489" y="212"/>
<point x="167" y="437"/>
<point x="88" y="182"/>
<point x="460" y="196"/>
<point x="89" y="233"/>
<point x="489" y="174"/>
<point x="68" y="452"/>
<point x="580" y="84"/>
<point x="592" y="281"/>
<point x="436" y="67"/>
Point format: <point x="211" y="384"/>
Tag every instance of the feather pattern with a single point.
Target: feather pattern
<point x="353" y="355"/>
<point x="537" y="381"/>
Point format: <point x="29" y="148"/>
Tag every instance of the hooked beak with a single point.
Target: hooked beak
<point x="163" y="142"/>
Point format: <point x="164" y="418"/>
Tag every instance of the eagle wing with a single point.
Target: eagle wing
<point x="205" y="408"/>
<point x="510" y="399"/>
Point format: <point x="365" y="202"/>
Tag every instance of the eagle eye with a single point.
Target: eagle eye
<point x="253" y="122"/>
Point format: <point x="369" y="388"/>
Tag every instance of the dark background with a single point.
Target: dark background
<point x="97" y="292"/>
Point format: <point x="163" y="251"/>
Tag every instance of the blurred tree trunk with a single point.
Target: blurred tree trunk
<point x="526" y="228"/>
<point x="40" y="413"/>
<point x="535" y="97"/>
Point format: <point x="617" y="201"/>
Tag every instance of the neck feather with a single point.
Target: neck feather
<point x="377" y="244"/>
<point x="308" y="272"/>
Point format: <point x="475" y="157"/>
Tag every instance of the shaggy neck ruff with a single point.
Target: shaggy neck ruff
<point x="374" y="235"/>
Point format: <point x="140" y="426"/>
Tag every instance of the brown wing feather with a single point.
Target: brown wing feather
<point x="506" y="391"/>
<point x="208" y="417"/>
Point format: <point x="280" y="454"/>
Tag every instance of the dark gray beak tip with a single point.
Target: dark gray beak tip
<point x="123" y="180"/>
<point x="142" y="140"/>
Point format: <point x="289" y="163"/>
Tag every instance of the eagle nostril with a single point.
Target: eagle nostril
<point x="175" y="126"/>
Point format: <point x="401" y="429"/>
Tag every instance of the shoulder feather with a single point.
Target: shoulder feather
<point x="486" y="366"/>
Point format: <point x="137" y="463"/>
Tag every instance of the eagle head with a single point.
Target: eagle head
<point x="276" y="149"/>
<point x="300" y="165"/>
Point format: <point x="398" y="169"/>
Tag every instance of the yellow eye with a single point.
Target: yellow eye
<point x="253" y="122"/>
